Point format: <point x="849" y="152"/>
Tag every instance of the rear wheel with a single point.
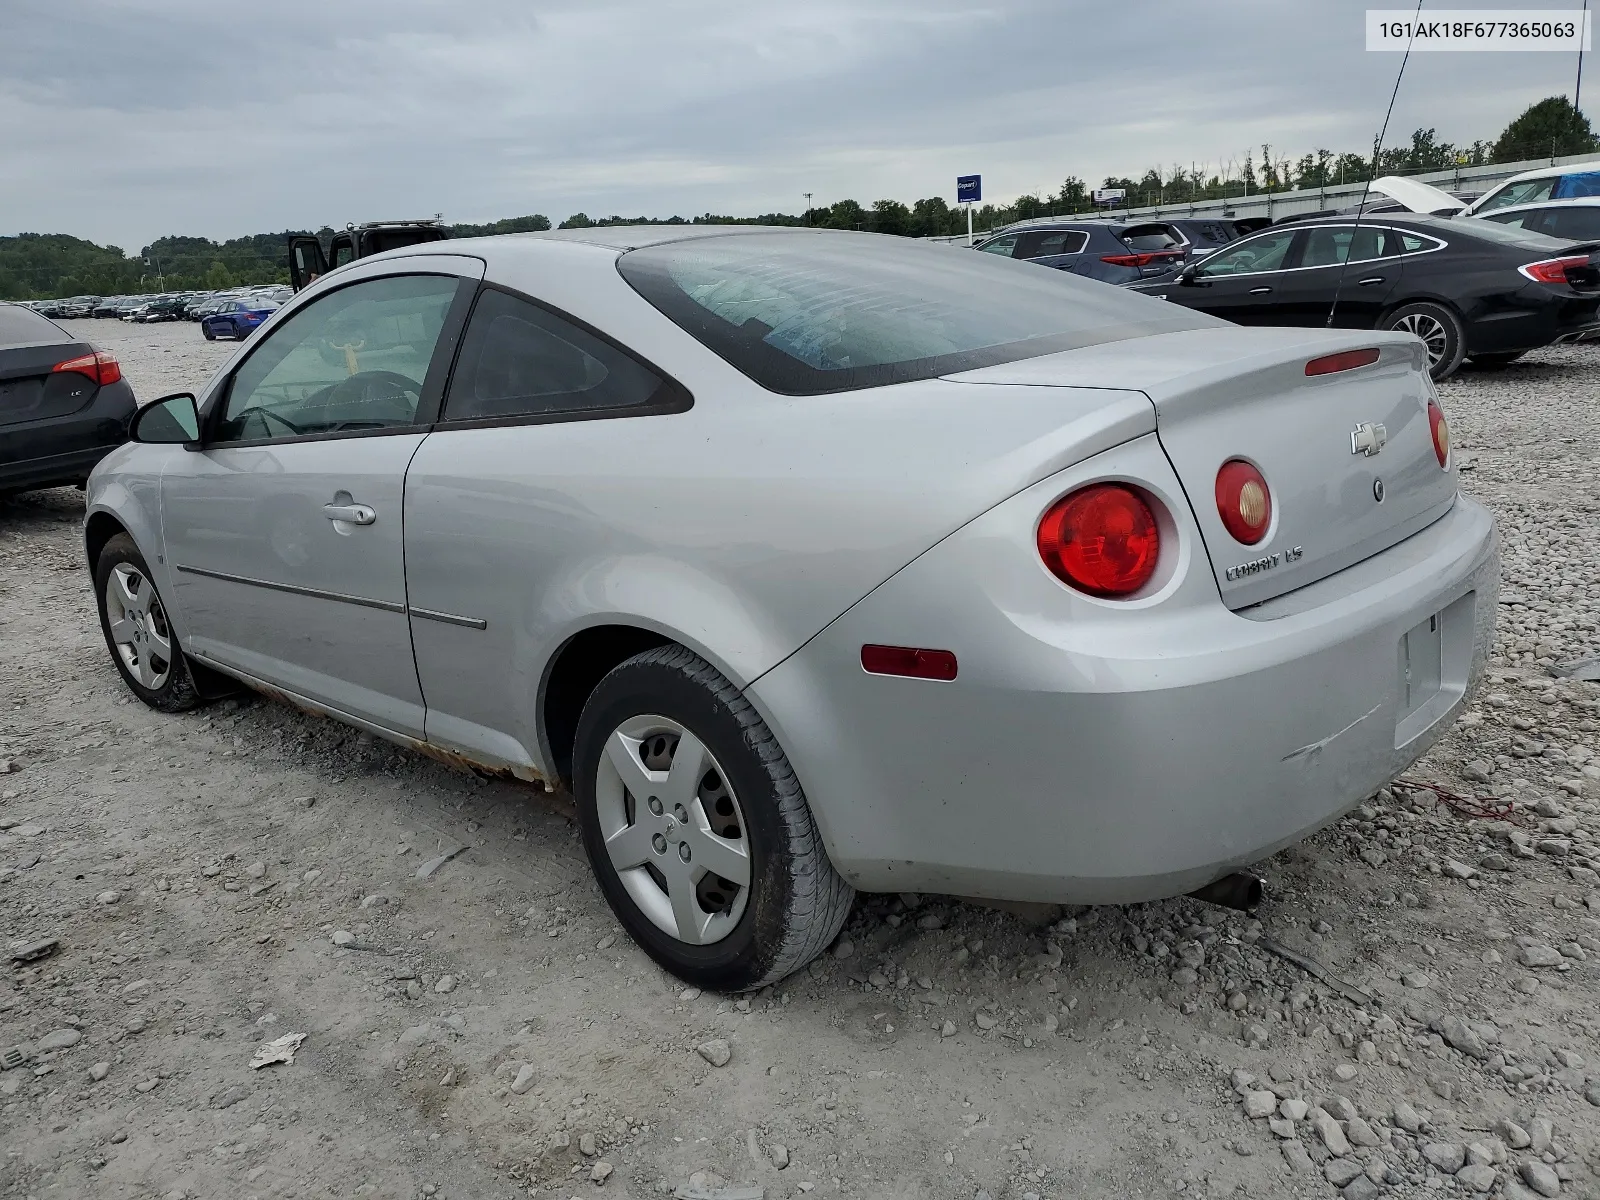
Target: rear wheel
<point x="696" y="826"/>
<point x="143" y="646"/>
<point x="206" y="329"/>
<point x="1440" y="330"/>
<point x="1494" y="362"/>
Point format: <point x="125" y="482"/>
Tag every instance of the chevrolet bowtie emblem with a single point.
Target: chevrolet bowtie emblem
<point x="1367" y="438"/>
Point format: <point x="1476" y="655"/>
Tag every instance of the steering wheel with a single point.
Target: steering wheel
<point x="366" y="386"/>
<point x="255" y="410"/>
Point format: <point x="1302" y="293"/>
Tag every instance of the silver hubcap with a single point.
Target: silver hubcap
<point x="673" y="829"/>
<point x="138" y="625"/>
<point x="1430" y="329"/>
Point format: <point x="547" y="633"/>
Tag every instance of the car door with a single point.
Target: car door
<point x="283" y="529"/>
<point x="1058" y="248"/>
<point x="1239" y="283"/>
<point x="489" y="530"/>
<point x="1358" y="264"/>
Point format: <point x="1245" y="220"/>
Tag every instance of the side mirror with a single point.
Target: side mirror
<point x="170" y="421"/>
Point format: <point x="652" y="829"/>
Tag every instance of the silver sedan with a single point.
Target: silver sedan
<point x="815" y="561"/>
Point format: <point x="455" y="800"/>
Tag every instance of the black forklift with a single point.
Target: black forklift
<point x="309" y="259"/>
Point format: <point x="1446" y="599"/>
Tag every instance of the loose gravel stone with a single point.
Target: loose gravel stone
<point x="1479" y="1178"/>
<point x="715" y="1051"/>
<point x="1447" y="1157"/>
<point x="1540" y="1178"/>
<point x="1340" y="1171"/>
<point x="1260" y="1104"/>
<point x="1330" y="1133"/>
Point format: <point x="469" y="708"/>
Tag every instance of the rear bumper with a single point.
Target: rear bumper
<point x="1130" y="757"/>
<point x="64" y="449"/>
<point x="1534" y="317"/>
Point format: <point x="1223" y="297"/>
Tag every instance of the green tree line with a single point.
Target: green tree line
<point x="42" y="266"/>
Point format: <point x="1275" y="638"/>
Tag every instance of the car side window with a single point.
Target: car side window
<point x="1264" y="253"/>
<point x="1330" y="246"/>
<point x="1410" y="243"/>
<point x="354" y="359"/>
<point x="1577" y="221"/>
<point x="1000" y="245"/>
<point x="520" y="360"/>
<point x="1585" y="183"/>
<point x="1042" y="242"/>
<point x="1529" y="191"/>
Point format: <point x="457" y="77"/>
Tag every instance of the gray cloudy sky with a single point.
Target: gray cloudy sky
<point x="123" y="120"/>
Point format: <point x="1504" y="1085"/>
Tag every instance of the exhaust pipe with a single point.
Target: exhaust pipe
<point x="1238" y="890"/>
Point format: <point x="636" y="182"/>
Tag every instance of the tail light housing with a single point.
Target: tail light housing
<point x="100" y="366"/>
<point x="1440" y="428"/>
<point x="1102" y="540"/>
<point x="1554" y="270"/>
<point x="1244" y="502"/>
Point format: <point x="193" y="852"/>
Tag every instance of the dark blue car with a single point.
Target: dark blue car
<point x="1113" y="251"/>
<point x="237" y="318"/>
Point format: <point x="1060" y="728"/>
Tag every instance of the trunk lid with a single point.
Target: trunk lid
<point x="1221" y="394"/>
<point x="32" y="390"/>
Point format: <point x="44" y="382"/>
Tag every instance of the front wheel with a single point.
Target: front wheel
<point x="697" y="829"/>
<point x="143" y="646"/>
<point x="1441" y="332"/>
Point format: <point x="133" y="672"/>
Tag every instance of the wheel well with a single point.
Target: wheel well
<point x="1438" y="301"/>
<point x="577" y="668"/>
<point x="97" y="531"/>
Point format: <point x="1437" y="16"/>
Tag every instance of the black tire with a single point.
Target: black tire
<point x="797" y="902"/>
<point x="1494" y="362"/>
<point x="1441" y="331"/>
<point x="206" y="329"/>
<point x="176" y="691"/>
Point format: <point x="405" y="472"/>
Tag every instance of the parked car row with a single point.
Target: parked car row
<point x="1483" y="281"/>
<point x="152" y="308"/>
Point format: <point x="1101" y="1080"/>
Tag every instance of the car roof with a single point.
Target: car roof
<point x="635" y="237"/>
<point x="1579" y="168"/>
<point x="1570" y="202"/>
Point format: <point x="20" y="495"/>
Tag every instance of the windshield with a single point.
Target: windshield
<point x="806" y="314"/>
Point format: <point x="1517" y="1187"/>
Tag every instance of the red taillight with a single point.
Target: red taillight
<point x="1554" y="270"/>
<point x="1243" y="501"/>
<point x="100" y="366"/>
<point x="1102" y="540"/>
<point x="1441" y="431"/>
<point x="908" y="661"/>
<point x="1345" y="360"/>
<point x="1142" y="259"/>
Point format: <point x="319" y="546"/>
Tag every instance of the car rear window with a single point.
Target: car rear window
<point x="811" y="313"/>
<point x="23" y="327"/>
<point x="1150" y="237"/>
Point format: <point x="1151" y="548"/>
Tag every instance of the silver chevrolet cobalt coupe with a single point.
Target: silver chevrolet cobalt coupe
<point x="815" y="561"/>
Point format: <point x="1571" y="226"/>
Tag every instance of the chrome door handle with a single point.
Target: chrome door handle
<point x="355" y="514"/>
<point x="1370" y="279"/>
<point x="1259" y="291"/>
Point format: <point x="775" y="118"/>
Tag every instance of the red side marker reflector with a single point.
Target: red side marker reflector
<point x="1345" y="360"/>
<point x="908" y="661"/>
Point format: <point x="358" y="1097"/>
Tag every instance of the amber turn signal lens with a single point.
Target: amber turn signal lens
<point x="1441" y="432"/>
<point x="1243" y="501"/>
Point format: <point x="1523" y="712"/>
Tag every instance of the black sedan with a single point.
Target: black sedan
<point x="63" y="403"/>
<point x="1469" y="289"/>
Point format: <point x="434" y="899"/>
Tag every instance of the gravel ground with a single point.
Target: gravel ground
<point x="220" y="879"/>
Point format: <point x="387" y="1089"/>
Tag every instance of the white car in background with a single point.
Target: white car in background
<point x="1570" y="182"/>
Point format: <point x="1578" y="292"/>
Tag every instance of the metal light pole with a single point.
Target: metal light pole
<point x="806" y="219"/>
